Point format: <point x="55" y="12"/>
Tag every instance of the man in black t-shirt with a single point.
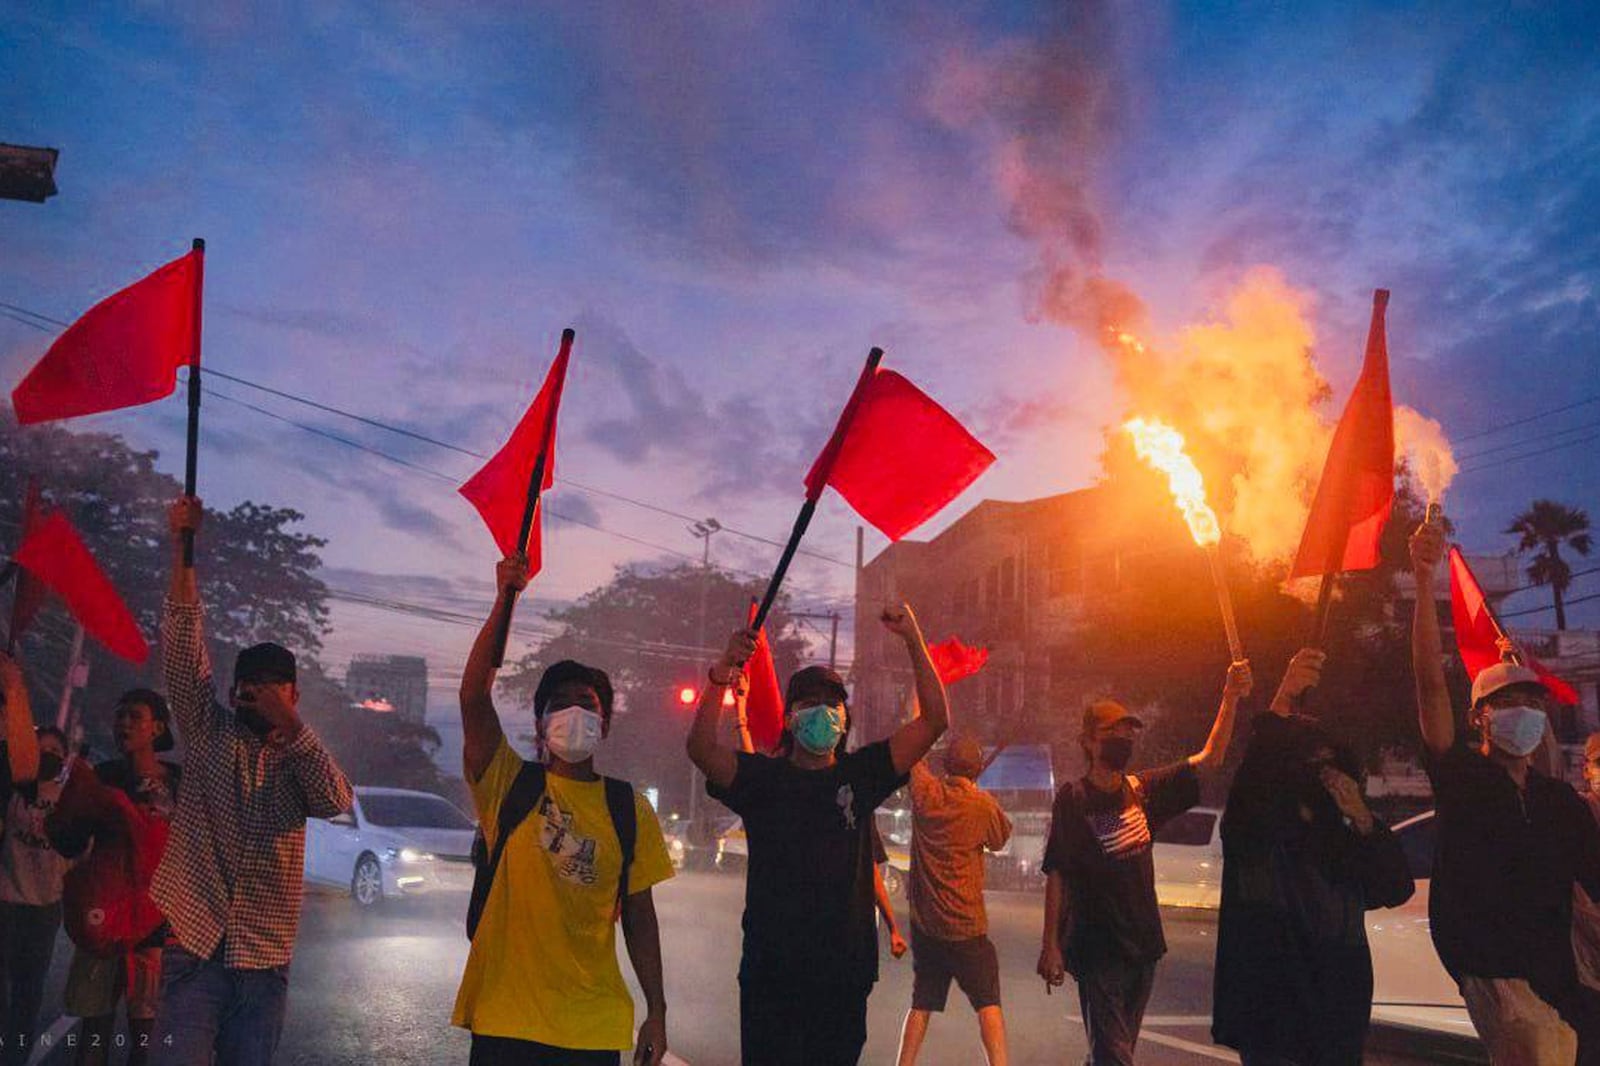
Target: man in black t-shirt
<point x="1102" y="923"/>
<point x="1512" y="843"/>
<point x="810" y="941"/>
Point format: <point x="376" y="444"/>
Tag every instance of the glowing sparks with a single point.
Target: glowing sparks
<point x="1162" y="447"/>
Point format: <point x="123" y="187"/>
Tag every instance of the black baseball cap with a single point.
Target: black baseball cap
<point x="815" y="681"/>
<point x="265" y="662"/>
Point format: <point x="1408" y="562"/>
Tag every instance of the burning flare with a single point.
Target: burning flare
<point x="1162" y="447"/>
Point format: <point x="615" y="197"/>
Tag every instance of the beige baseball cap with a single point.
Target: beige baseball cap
<point x="1501" y="675"/>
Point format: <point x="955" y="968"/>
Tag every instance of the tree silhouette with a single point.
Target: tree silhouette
<point x="1549" y="526"/>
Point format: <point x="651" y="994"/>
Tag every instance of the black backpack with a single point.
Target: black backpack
<point x="519" y="802"/>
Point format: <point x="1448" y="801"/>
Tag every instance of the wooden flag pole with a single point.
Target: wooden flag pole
<point x="529" y="510"/>
<point x="807" y="509"/>
<point x="192" y="452"/>
<point x="1225" y="601"/>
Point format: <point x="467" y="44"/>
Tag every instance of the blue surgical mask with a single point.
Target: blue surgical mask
<point x="817" y="728"/>
<point x="1516" y="730"/>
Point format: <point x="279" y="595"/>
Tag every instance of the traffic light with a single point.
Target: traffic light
<point x="688" y="696"/>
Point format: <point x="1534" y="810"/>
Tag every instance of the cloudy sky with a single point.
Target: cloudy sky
<point x="732" y="202"/>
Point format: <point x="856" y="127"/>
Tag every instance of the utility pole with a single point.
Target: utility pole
<point x="704" y="529"/>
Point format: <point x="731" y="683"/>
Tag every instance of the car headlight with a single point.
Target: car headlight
<point x="406" y="855"/>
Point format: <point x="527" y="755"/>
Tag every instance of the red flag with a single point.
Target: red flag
<point x="55" y="554"/>
<point x="896" y="455"/>
<point x="763" y="703"/>
<point x="1478" y="631"/>
<point x="28" y="596"/>
<point x="1357" y="488"/>
<point x="500" y="489"/>
<point x="953" y="660"/>
<point x="124" y="351"/>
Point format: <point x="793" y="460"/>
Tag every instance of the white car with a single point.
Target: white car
<point x="1188" y="859"/>
<point x="1410" y="988"/>
<point x="392" y="842"/>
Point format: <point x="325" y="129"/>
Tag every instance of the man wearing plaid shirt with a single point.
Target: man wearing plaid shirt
<point x="230" y="882"/>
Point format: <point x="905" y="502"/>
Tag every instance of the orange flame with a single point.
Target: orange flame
<point x="1162" y="447"/>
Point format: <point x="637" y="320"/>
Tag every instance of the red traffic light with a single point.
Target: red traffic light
<point x="688" y="696"/>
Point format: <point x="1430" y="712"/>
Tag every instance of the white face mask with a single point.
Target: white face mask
<point x="1516" y="730"/>
<point x="572" y="733"/>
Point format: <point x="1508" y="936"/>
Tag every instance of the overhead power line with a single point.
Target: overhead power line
<point x="47" y="324"/>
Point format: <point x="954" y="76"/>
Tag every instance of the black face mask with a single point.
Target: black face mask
<point x="49" y="766"/>
<point x="1116" y="752"/>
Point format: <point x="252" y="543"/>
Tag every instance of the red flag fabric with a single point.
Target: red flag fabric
<point x="763" y="703"/>
<point x="896" y="455"/>
<point x="1357" y="488"/>
<point x="500" y="489"/>
<point x="954" y="660"/>
<point x="1478" y="632"/>
<point x="28" y="596"/>
<point x="124" y="351"/>
<point x="55" y="554"/>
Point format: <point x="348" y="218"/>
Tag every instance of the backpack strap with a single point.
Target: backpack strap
<point x="518" y="803"/>
<point x="625" y="819"/>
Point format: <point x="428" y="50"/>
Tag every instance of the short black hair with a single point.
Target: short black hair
<point x="51" y="731"/>
<point x="158" y="709"/>
<point x="570" y="671"/>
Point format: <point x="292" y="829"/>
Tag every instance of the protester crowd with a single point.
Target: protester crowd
<point x="180" y="887"/>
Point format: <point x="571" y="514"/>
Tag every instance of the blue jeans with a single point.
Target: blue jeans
<point x="206" y="1008"/>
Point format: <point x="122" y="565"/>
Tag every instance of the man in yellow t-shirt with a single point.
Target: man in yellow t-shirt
<point x="542" y="985"/>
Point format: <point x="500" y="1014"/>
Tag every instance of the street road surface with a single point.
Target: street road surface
<point x="379" y="987"/>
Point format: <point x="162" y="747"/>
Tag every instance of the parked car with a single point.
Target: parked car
<point x="1410" y="987"/>
<point x="1187" y="852"/>
<point x="392" y="842"/>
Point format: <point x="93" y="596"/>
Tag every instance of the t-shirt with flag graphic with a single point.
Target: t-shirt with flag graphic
<point x="1100" y="844"/>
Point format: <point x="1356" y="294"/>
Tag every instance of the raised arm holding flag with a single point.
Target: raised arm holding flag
<point x="507" y="490"/>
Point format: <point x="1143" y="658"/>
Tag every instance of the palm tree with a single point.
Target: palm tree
<point x="1549" y="525"/>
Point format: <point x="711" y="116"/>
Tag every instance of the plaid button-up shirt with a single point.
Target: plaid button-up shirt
<point x="234" y="866"/>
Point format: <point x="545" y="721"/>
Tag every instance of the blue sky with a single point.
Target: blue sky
<point x="404" y="206"/>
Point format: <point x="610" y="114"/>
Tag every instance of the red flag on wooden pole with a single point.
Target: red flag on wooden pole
<point x="1479" y="634"/>
<point x="895" y="455"/>
<point x="1357" y="487"/>
<point x="502" y="490"/>
<point x="764" y="700"/>
<point x="54" y="554"/>
<point x="123" y="351"/>
<point x="506" y="491"/>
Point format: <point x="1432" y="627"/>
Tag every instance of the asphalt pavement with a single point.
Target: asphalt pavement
<point x="378" y="986"/>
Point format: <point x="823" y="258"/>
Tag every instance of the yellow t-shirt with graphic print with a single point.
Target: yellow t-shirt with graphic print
<point x="543" y="965"/>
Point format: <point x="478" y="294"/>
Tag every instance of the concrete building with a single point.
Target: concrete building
<point x="398" y="681"/>
<point x="1012" y="577"/>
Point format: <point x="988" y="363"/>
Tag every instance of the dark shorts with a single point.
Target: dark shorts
<point x="504" y="1051"/>
<point x="973" y="964"/>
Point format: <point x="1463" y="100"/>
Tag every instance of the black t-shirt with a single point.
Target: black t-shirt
<point x="1100" y="844"/>
<point x="1500" y="904"/>
<point x="808" y="905"/>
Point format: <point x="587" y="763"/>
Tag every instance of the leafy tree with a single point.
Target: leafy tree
<point x="1549" y="526"/>
<point x="643" y="628"/>
<point x="260" y="582"/>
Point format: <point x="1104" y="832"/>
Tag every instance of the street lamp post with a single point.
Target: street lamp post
<point x="26" y="173"/>
<point x="704" y="530"/>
